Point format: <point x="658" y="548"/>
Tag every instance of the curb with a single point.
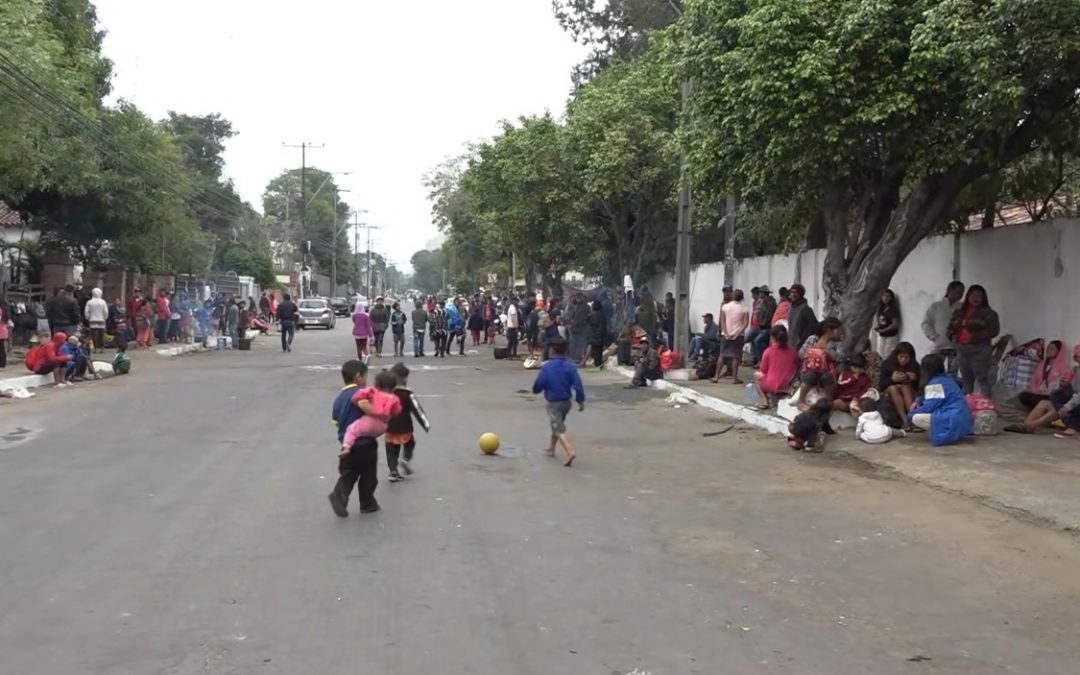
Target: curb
<point x="181" y="349"/>
<point x="769" y="423"/>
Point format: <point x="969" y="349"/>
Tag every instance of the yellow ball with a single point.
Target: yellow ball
<point x="489" y="443"/>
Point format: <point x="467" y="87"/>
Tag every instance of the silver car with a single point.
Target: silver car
<point x="316" y="312"/>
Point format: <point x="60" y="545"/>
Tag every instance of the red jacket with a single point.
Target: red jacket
<point x="162" y="308"/>
<point x="47" y="353"/>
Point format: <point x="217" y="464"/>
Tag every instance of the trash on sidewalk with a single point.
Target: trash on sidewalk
<point x="15" y="391"/>
<point x="726" y="429"/>
<point x="676" y="398"/>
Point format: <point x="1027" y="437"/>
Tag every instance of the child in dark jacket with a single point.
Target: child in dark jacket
<point x="807" y="432"/>
<point x="399" y="433"/>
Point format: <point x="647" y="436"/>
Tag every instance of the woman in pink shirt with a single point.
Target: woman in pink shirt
<point x="733" y="322"/>
<point x="778" y="366"/>
<point x="363" y="332"/>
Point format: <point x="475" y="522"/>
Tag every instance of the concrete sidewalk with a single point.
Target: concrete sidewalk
<point x="16" y="375"/>
<point x="1031" y="476"/>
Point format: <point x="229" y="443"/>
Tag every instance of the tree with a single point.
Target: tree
<point x="621" y="129"/>
<point x="467" y="252"/>
<point x="873" y="118"/>
<point x="527" y="200"/>
<point x="428" y="269"/>
<point x="615" y="30"/>
<point x="283" y="202"/>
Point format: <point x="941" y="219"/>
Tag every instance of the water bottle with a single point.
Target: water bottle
<point x="751" y="394"/>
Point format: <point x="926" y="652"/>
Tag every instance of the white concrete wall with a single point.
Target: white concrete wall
<point x="1026" y="270"/>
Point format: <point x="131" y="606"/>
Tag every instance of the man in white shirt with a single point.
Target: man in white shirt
<point x="512" y="326"/>
<point x="935" y="324"/>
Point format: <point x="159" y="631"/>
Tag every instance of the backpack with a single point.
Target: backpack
<point x="33" y="358"/>
<point x="816" y="361"/>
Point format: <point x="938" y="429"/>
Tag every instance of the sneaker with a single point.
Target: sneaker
<point x="371" y="509"/>
<point x="336" y="504"/>
<point x="404" y="464"/>
<point x="395" y="478"/>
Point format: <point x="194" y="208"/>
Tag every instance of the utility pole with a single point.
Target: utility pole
<point x="333" y="247"/>
<point x="303" y="200"/>
<point x="682" y="245"/>
<point x="367" y="283"/>
<point x="729" y="242"/>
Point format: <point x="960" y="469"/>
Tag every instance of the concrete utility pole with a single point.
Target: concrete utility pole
<point x="682" y="245"/>
<point x="333" y="246"/>
<point x="303" y="201"/>
<point x="729" y="241"/>
<point x="367" y="283"/>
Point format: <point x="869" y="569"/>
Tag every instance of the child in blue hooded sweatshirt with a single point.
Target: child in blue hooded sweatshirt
<point x="559" y="380"/>
<point x="942" y="408"/>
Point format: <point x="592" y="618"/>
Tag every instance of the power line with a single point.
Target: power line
<point x="76" y="123"/>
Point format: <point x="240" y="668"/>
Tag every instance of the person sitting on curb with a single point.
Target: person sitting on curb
<point x="46" y="358"/>
<point x="779" y="365"/>
<point x="648" y="366"/>
<point x="942" y="408"/>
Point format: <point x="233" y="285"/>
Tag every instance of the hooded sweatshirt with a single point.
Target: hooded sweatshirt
<point x="1048" y="372"/>
<point x="97" y="310"/>
<point x="872" y="429"/>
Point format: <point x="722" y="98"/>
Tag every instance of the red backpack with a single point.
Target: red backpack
<point x="817" y="360"/>
<point x="34" y="358"/>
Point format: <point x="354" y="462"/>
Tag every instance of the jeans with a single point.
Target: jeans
<point x="418" y="342"/>
<point x="760" y="344"/>
<point x="288" y="331"/>
<point x="752" y="336"/>
<point x="597" y="351"/>
<point x="162" y="333"/>
<point x="234" y="333"/>
<point x="975" y="367"/>
<point x="379" y="335"/>
<point x="359" y="468"/>
<point x="512" y="341"/>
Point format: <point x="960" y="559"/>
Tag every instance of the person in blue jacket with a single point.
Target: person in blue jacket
<point x="941" y="409"/>
<point x="559" y="380"/>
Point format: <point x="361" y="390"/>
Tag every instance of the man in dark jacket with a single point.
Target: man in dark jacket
<point x="380" y="321"/>
<point x="802" y="323"/>
<point x="62" y="311"/>
<point x="766" y="309"/>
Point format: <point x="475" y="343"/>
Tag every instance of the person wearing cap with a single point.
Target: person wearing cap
<point x="765" y="311"/>
<point x="802" y="322"/>
<point x="708" y="339"/>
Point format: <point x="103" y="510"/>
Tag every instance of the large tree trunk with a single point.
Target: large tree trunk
<point x="870" y="272"/>
<point x="834" y="221"/>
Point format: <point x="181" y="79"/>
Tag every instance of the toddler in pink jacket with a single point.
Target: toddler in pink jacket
<point x="384" y="405"/>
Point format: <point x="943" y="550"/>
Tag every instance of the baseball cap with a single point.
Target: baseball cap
<point x="707" y="315"/>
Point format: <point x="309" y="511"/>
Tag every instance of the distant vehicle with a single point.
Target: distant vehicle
<point x="316" y="312"/>
<point x="342" y="306"/>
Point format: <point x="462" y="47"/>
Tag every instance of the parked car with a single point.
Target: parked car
<point x="316" y="312"/>
<point x="342" y="306"/>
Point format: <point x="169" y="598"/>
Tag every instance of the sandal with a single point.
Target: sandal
<point x="1019" y="429"/>
<point x="915" y="430"/>
<point x="1066" y="437"/>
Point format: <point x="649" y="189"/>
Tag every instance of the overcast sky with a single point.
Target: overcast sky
<point x="390" y="87"/>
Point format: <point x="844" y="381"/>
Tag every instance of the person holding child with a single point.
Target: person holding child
<point x="778" y="367"/>
<point x="820" y="355"/>
<point x="942" y="408"/>
<point x="898" y="379"/>
<point x="359" y="466"/>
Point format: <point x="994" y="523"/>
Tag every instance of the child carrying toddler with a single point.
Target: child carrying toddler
<point x="384" y="405"/>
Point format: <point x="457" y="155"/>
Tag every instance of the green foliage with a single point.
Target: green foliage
<point x="623" y="147"/>
<point x="283" y="202"/>
<point x="428" y="269"/>
<point x="526" y="199"/>
<point x="241" y="259"/>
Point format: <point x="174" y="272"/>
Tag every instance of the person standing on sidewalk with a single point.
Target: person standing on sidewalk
<point x="887" y="323"/>
<point x="512" y="326"/>
<point x="360" y="465"/>
<point x="162" y="305"/>
<point x="287" y="313"/>
<point x="935" y="324"/>
<point x="97" y="315"/>
<point x="733" y="322"/>
<point x="973" y="327"/>
<point x="419" y="324"/>
<point x="380" y="321"/>
<point x="766" y="310"/>
<point x="397" y="329"/>
<point x="264" y="307"/>
<point x="232" y="322"/>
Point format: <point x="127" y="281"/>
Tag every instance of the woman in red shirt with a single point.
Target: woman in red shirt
<point x="778" y="366"/>
<point x="973" y="327"/>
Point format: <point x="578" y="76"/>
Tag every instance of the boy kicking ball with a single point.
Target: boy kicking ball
<point x="559" y="380"/>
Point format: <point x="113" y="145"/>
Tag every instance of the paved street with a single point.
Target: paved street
<point x="175" y="521"/>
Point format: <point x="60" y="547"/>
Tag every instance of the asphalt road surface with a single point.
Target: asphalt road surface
<point x="175" y="522"/>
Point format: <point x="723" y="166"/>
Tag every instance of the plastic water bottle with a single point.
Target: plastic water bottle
<point x="751" y="394"/>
